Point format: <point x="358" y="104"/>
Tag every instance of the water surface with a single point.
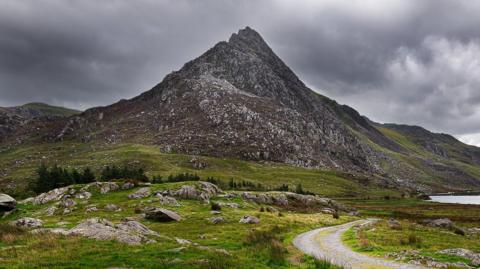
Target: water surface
<point x="457" y="199"/>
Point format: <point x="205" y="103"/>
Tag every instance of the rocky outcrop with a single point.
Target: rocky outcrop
<point x="7" y="203"/>
<point x="53" y="195"/>
<point x="128" y="231"/>
<point x="217" y="220"/>
<point x="102" y="187"/>
<point x="200" y="191"/>
<point x="28" y="223"/>
<point x="140" y="193"/>
<point x="161" y="215"/>
<point x="167" y="200"/>
<point x="464" y="253"/>
<point x="289" y="199"/>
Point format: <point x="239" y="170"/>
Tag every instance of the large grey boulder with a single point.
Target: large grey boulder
<point x="28" y="223"/>
<point x="128" y="232"/>
<point x="140" y="193"/>
<point x="162" y="215"/>
<point x="7" y="203"/>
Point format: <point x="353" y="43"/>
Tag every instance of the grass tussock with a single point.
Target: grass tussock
<point x="268" y="243"/>
<point x="322" y="264"/>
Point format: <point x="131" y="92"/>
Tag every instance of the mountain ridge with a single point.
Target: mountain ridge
<point x="240" y="100"/>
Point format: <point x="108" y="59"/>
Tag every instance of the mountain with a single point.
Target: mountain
<point x="12" y="118"/>
<point x="240" y="100"/>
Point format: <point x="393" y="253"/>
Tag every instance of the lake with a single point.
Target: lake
<point x="457" y="199"/>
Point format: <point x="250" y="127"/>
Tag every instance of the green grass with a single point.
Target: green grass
<point x="52" y="251"/>
<point x="20" y="165"/>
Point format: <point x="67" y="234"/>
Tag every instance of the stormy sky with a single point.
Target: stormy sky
<point x="404" y="61"/>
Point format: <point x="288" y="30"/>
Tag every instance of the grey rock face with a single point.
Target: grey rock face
<point x="7" y="203"/>
<point x="162" y="215"/>
<point x="68" y="203"/>
<point x="28" y="223"/>
<point x="249" y="220"/>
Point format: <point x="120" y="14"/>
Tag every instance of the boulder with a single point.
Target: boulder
<point x="394" y="224"/>
<point x="112" y="207"/>
<point x="441" y="223"/>
<point x="91" y="209"/>
<point x="204" y="191"/>
<point x="161" y="215"/>
<point x="140" y="193"/>
<point x="68" y="203"/>
<point x="53" y="195"/>
<point x="84" y="195"/>
<point x="128" y="186"/>
<point x="217" y="220"/>
<point x="128" y="232"/>
<point x="232" y="205"/>
<point x="50" y="211"/>
<point x="167" y="200"/>
<point x="249" y="220"/>
<point x="7" y="203"/>
<point x="102" y="187"/>
<point x="28" y="223"/>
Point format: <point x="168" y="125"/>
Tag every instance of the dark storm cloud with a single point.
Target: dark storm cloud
<point x="407" y="61"/>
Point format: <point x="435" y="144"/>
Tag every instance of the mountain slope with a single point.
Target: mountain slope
<point x="14" y="118"/>
<point x="240" y="100"/>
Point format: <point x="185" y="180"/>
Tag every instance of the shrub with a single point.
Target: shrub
<point x="183" y="177"/>
<point x="262" y="209"/>
<point x="157" y="179"/>
<point x="335" y="214"/>
<point x="215" y="206"/>
<point x="322" y="264"/>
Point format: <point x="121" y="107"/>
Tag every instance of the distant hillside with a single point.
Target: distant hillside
<point x="32" y="110"/>
<point x="13" y="119"/>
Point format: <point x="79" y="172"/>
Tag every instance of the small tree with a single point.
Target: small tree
<point x="87" y="176"/>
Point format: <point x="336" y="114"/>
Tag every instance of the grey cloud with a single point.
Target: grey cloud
<point x="393" y="60"/>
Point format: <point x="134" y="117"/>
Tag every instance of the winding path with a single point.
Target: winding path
<point x="326" y="244"/>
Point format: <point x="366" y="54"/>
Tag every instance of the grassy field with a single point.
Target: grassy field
<point x="20" y="249"/>
<point x="382" y="240"/>
<point x="19" y="165"/>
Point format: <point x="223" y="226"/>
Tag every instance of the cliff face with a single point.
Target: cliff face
<point x="240" y="100"/>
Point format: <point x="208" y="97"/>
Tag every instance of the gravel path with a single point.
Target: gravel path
<point x="326" y="244"/>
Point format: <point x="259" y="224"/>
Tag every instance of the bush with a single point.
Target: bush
<point x="335" y="214"/>
<point x="157" y="179"/>
<point x="215" y="206"/>
<point x="322" y="264"/>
